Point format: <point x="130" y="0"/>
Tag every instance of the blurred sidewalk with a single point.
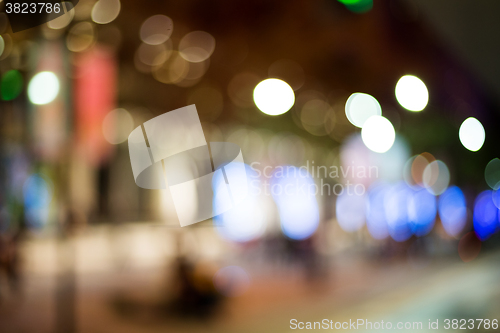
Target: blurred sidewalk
<point x="139" y="269"/>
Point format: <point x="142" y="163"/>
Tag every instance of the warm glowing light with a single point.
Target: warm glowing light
<point x="2" y="45"/>
<point x="62" y="21"/>
<point x="197" y="46"/>
<point x="153" y="55"/>
<point x="156" y="29"/>
<point x="117" y="126"/>
<point x="472" y="134"/>
<point x="313" y="115"/>
<point x="174" y="70"/>
<point x="81" y="37"/>
<point x="105" y="11"/>
<point x="6" y="46"/>
<point x="359" y="107"/>
<point x="412" y="93"/>
<point x="378" y="134"/>
<point x="43" y="88"/>
<point x="273" y="97"/>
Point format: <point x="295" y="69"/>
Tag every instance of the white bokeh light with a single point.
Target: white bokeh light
<point x="43" y="88"/>
<point x="412" y="93"/>
<point x="273" y="97"/>
<point x="359" y="107"/>
<point x="436" y="177"/>
<point x="472" y="134"/>
<point x="378" y="134"/>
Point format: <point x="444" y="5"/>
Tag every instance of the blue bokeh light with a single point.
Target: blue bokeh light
<point x="496" y="198"/>
<point x="375" y="214"/>
<point x="396" y="211"/>
<point x="245" y="221"/>
<point x="37" y="195"/>
<point x="486" y="215"/>
<point x="422" y="211"/>
<point x="453" y="210"/>
<point x="293" y="190"/>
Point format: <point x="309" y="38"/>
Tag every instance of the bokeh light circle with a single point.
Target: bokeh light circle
<point x="412" y="93"/>
<point x="453" y="210"/>
<point x="376" y="222"/>
<point x="297" y="204"/>
<point x="273" y="97"/>
<point x="43" y="88"/>
<point x="117" y="126"/>
<point x="359" y="107"/>
<point x="153" y="55"/>
<point x="11" y="85"/>
<point x="105" y="11"/>
<point x="492" y="173"/>
<point x="37" y="195"/>
<point x="496" y="198"/>
<point x="396" y="211"/>
<point x="472" y="134"/>
<point x="436" y="177"/>
<point x="156" y="29"/>
<point x="378" y="134"/>
<point x="422" y="209"/>
<point x="2" y="45"/>
<point x="246" y="221"/>
<point x="197" y="46"/>
<point x="61" y="21"/>
<point x="81" y="37"/>
<point x="486" y="215"/>
<point x="314" y="114"/>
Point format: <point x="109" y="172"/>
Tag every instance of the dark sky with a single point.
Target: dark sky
<point x="472" y="30"/>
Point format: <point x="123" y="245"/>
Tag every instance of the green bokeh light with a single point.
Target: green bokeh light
<point x="350" y="2"/>
<point x="358" y="6"/>
<point x="11" y="85"/>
